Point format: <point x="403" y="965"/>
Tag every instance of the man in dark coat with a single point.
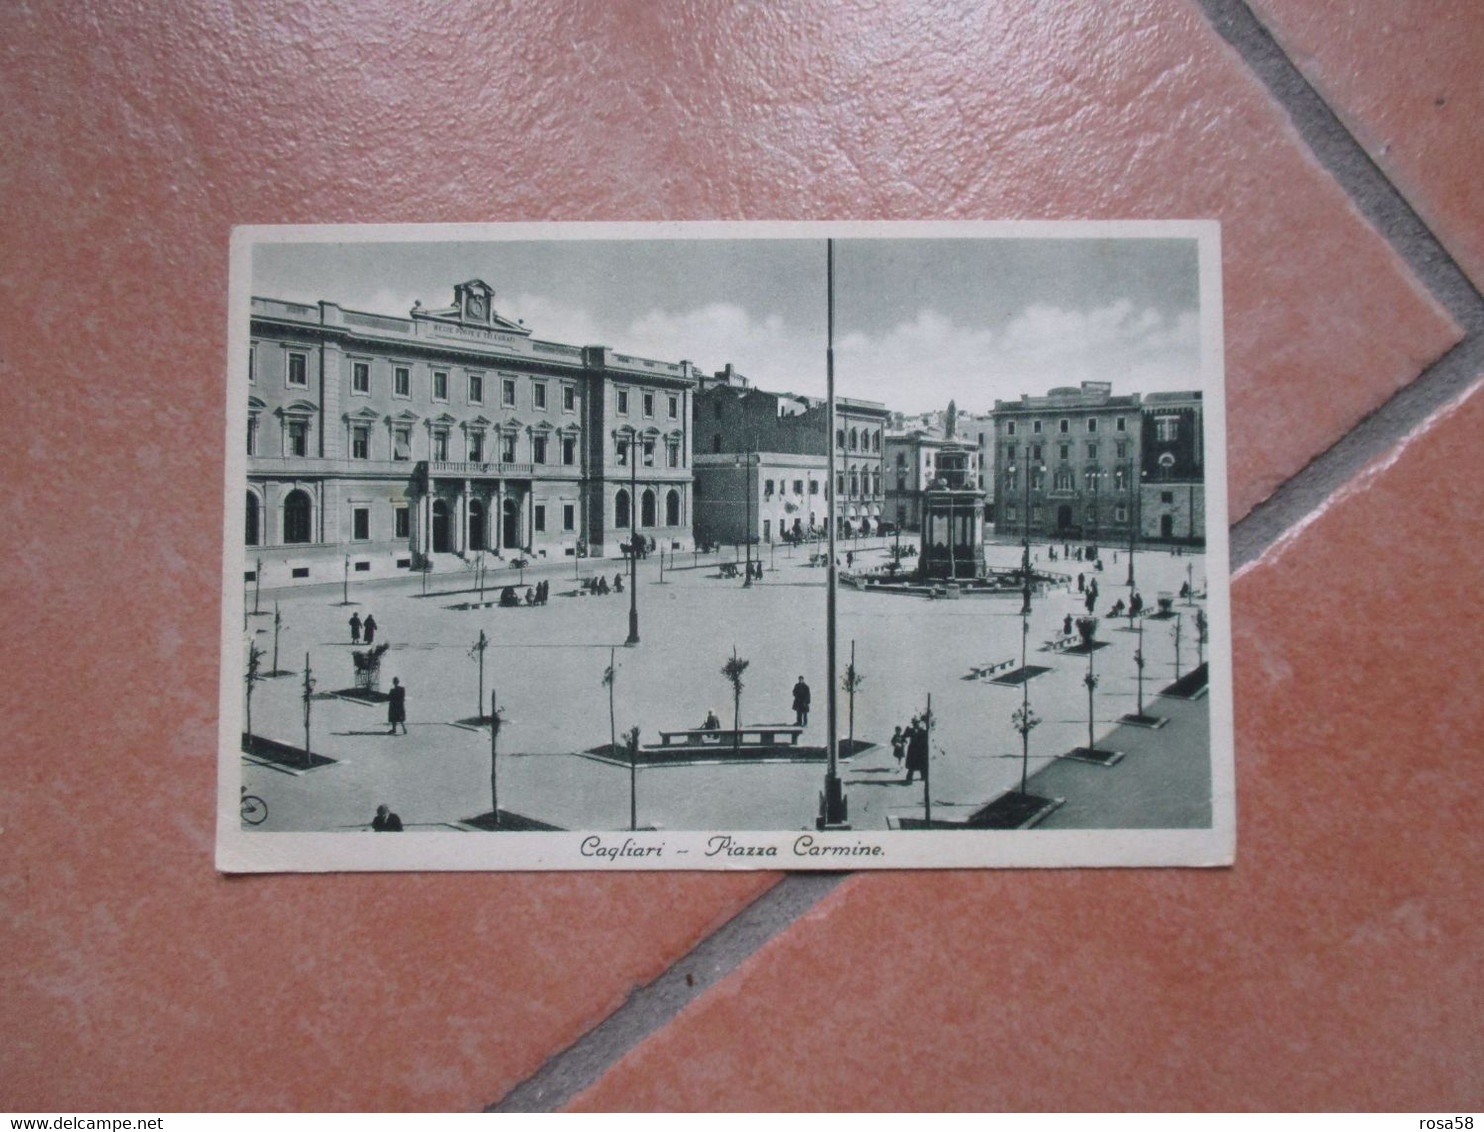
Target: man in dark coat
<point x="917" y="752"/>
<point x="801" y="703"/>
<point x="370" y="628"/>
<point x="396" y="708"/>
<point x="385" y="820"/>
<point x="355" y="628"/>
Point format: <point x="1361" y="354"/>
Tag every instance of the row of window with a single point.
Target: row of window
<point x="858" y="440"/>
<point x="1120" y="513"/>
<point x="647" y="500"/>
<point x="1066" y="480"/>
<point x="296" y="375"/>
<point x="1064" y="451"/>
<point x="1064" y="426"/>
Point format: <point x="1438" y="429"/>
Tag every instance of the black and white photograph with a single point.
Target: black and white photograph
<point x="725" y="545"/>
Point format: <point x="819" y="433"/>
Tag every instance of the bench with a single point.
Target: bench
<point x="728" y="569"/>
<point x="763" y="735"/>
<point x="984" y="671"/>
<point x="1058" y="643"/>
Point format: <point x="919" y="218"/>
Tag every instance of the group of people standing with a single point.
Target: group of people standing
<point x="910" y="747"/>
<point x="360" y="628"/>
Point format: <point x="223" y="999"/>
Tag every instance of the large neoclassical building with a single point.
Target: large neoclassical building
<point x="393" y="442"/>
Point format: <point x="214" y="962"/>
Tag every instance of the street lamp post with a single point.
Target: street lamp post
<point x="1025" y="557"/>
<point x="832" y="809"/>
<point x="747" y="530"/>
<point x="633" y="539"/>
<point x="1133" y="515"/>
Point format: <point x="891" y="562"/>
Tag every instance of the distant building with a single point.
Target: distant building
<point x="768" y="496"/>
<point x="1065" y="464"/>
<point x="733" y="418"/>
<point x="1083" y="463"/>
<point x="396" y="441"/>
<point x="1173" y="504"/>
<point x="914" y="462"/>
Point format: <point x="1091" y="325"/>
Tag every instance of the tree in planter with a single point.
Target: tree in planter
<point x="733" y="670"/>
<point x="1139" y="664"/>
<point x="308" y="694"/>
<point x="254" y="674"/>
<point x="1025" y="720"/>
<point x="477" y="565"/>
<point x="277" y="627"/>
<point x="1091" y="681"/>
<point x="849" y="684"/>
<point x="477" y="654"/>
<point x="368" y="667"/>
<point x="610" y="678"/>
<point x="1201" y="627"/>
<point x="631" y="740"/>
<point x="1175" y="632"/>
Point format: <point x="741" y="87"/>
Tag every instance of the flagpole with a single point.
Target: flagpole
<point x="832" y="807"/>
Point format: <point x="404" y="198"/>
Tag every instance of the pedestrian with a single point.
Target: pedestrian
<point x="618" y="583"/>
<point x="917" y="752"/>
<point x="385" y="820"/>
<point x="1066" y="625"/>
<point x="355" y="628"/>
<point x="1092" y="600"/>
<point x="1081" y="583"/>
<point x="849" y="558"/>
<point x="369" y="628"/>
<point x="801" y="703"/>
<point x="396" y="707"/>
<point x="899" y="746"/>
<point x="1092" y="588"/>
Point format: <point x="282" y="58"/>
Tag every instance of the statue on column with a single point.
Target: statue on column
<point x="950" y="429"/>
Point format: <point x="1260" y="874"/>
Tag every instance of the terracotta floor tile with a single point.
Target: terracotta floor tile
<point x="137" y="135"/>
<point x="1330" y="969"/>
<point x="1403" y="75"/>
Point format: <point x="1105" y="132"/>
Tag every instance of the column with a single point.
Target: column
<point x="498" y="518"/>
<point x="462" y="538"/>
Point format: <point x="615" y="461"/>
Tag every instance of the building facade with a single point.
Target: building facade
<point x="765" y="496"/>
<point x="376" y="444"/>
<point x="1066" y="464"/>
<point x="733" y="418"/>
<point x="1173" y="487"/>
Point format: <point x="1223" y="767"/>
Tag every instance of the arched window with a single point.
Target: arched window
<point x="621" y="508"/>
<point x="476" y="524"/>
<point x="254" y="524"/>
<point x="646" y="508"/>
<point x="297" y="514"/>
<point x="876" y="441"/>
<point x="672" y="508"/>
<point x="855" y="440"/>
<point x="855" y="482"/>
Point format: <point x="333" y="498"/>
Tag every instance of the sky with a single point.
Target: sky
<point x="917" y="321"/>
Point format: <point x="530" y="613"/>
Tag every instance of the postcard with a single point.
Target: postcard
<point x="725" y="546"/>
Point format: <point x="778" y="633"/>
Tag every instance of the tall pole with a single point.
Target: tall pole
<point x="308" y="699"/>
<point x="494" y="759"/>
<point x="1133" y="526"/>
<point x="833" y="803"/>
<point x="257" y="585"/>
<point x="747" y="496"/>
<point x="927" y="790"/>
<point x="1025" y="557"/>
<point x="345" y="583"/>
<point x="633" y="538"/>
<point x="634" y="779"/>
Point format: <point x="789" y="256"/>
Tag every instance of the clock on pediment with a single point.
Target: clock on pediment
<point x="475" y="300"/>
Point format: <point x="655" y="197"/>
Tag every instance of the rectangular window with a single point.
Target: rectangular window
<point x="1036" y="427"/>
<point x="403" y="527"/>
<point x="1120" y="513"/>
<point x="298" y="438"/>
<point x="621" y="448"/>
<point x="507" y="392"/>
<point x="440" y="445"/>
<point x="798" y="487"/>
<point x="1092" y="424"/>
<point x="1092" y="451"/>
<point x="402" y="443"/>
<point x="1063" y="425"/>
<point x="623" y="400"/>
<point x="252" y="436"/>
<point x="402" y="381"/>
<point x="649" y="453"/>
<point x="476" y="448"/>
<point x="649" y="404"/>
<point x="440" y="385"/>
<point x="768" y="488"/>
<point x="813" y="487"/>
<point x="507" y="448"/>
<point x="540" y="517"/>
<point x="1167" y="497"/>
<point x="569" y="450"/>
<point x="1010" y="512"/>
<point x="360" y="521"/>
<point x="1122" y="449"/>
<point x="300" y="572"/>
<point x="1166" y="429"/>
<point x="363" y="567"/>
<point x="1035" y="451"/>
<point x="569" y="398"/>
<point x="298" y="371"/>
<point x="538" y="449"/>
<point x="476" y="389"/>
<point x="360" y="377"/>
<point x="767" y="530"/>
<point x="252" y="357"/>
<point x="1066" y="451"/>
<point x="1010" y="428"/>
<point x="674" y="407"/>
<point x="538" y="394"/>
<point x="1121" y="424"/>
<point x="360" y="442"/>
<point x="672" y="454"/>
<point x="569" y="517"/>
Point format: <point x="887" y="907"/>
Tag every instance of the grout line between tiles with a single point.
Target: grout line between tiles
<point x="651" y="1007"/>
<point x="1388" y="212"/>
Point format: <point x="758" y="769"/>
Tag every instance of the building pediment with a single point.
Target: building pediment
<point x="298" y="408"/>
<point x="364" y="414"/>
<point x="406" y="416"/>
<point x="256" y="404"/>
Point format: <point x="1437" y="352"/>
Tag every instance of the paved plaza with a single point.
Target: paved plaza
<point x="547" y="664"/>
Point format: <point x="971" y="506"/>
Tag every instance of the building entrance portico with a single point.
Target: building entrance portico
<point x="510" y="534"/>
